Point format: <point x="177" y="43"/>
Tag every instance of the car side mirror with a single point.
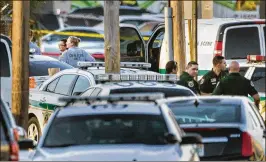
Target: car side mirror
<point x="264" y="133"/>
<point x="191" y="138"/>
<point x="171" y="138"/>
<point x="21" y="132"/>
<point x="32" y="51"/>
<point x="26" y="144"/>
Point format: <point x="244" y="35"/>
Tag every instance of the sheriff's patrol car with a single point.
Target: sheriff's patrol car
<point x="256" y="73"/>
<point x="70" y="82"/>
<point x="130" y="127"/>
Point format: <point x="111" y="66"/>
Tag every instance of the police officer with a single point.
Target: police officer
<point x="171" y="67"/>
<point x="209" y="81"/>
<point x="235" y="84"/>
<point x="187" y="77"/>
<point x="74" y="53"/>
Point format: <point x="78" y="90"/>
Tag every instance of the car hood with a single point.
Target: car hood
<point x="111" y="152"/>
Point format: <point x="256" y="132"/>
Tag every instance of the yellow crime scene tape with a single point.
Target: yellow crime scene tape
<point x="82" y="34"/>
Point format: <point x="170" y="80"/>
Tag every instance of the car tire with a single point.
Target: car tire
<point x="34" y="131"/>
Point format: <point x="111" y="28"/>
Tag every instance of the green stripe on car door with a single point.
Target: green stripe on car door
<point x="42" y="105"/>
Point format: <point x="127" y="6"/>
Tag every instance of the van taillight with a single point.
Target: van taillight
<point x="246" y="144"/>
<point x="14" y="151"/>
<point x="218" y="48"/>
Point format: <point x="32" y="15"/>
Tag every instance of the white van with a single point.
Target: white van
<point x="231" y="38"/>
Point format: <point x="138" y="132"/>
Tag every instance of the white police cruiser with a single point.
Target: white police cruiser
<point x="44" y="99"/>
<point x="231" y="126"/>
<point x="130" y="127"/>
<point x="256" y="73"/>
<point x="253" y="68"/>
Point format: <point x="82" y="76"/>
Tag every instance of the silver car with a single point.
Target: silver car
<point x="130" y="127"/>
<point x="231" y="126"/>
<point x="93" y="44"/>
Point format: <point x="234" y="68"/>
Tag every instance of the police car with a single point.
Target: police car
<point x="253" y="68"/>
<point x="129" y="127"/>
<point x="256" y="73"/>
<point x="44" y="99"/>
<point x="231" y="127"/>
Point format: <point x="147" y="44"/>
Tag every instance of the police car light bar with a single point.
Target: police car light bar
<point x="122" y="64"/>
<point x="136" y="77"/>
<point x="115" y="97"/>
<point x="256" y="58"/>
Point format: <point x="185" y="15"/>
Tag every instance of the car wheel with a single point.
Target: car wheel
<point x="34" y="129"/>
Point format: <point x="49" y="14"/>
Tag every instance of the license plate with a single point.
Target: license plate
<point x="200" y="150"/>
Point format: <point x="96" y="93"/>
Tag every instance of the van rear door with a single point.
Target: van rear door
<point x="242" y="40"/>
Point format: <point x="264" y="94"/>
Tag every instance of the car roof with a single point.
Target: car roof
<point x="41" y="58"/>
<point x="140" y="17"/>
<point x="145" y="108"/>
<point x="81" y="28"/>
<point x="221" y="21"/>
<point x="207" y="99"/>
<point x="139" y="84"/>
<point x="244" y="63"/>
<point x="98" y="30"/>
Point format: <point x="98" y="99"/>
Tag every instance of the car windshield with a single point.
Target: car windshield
<point x="211" y="113"/>
<point x="40" y="68"/>
<point x="106" y="129"/>
<point x="168" y="92"/>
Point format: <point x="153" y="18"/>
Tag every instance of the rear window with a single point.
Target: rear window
<point x="241" y="42"/>
<point x="40" y="68"/>
<point x="4" y="62"/>
<point x="168" y="92"/>
<point x="211" y="113"/>
<point x="106" y="129"/>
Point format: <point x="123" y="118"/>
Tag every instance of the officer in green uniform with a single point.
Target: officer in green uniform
<point x="209" y="81"/>
<point x="235" y="84"/>
<point x="187" y="77"/>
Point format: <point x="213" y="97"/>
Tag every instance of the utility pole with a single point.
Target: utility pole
<point x="111" y="37"/>
<point x="194" y="31"/>
<point x="179" y="34"/>
<point x="20" y="62"/>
